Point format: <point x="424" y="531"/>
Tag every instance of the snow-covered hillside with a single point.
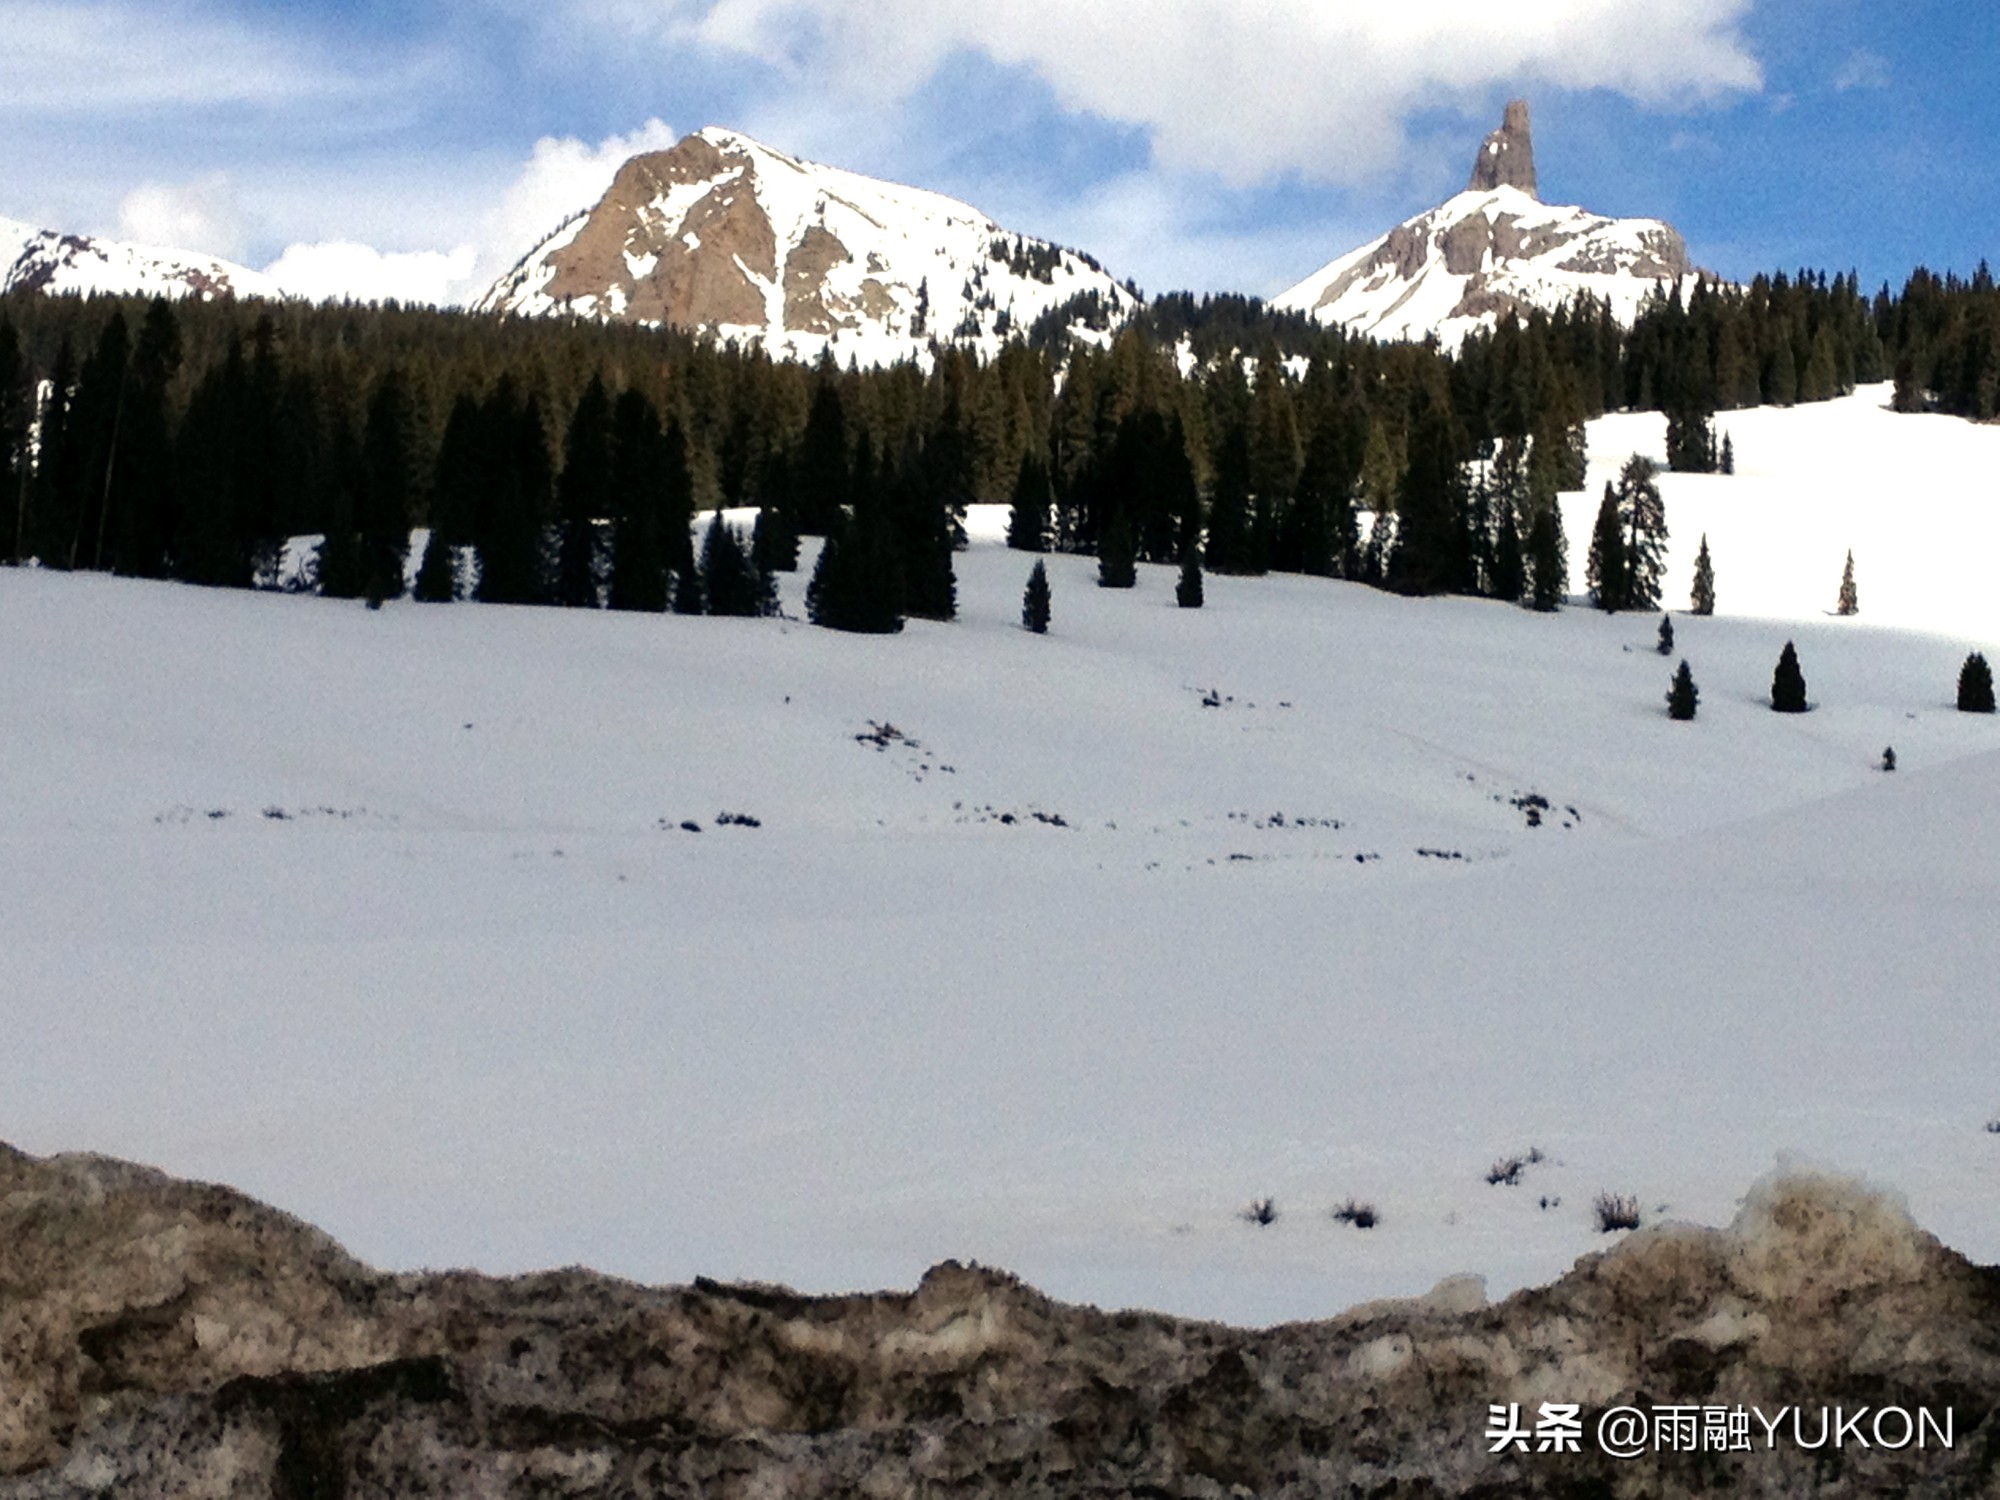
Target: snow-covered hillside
<point x="1492" y="249"/>
<point x="1812" y="483"/>
<point x="724" y="234"/>
<point x="1052" y="952"/>
<point x="42" y="260"/>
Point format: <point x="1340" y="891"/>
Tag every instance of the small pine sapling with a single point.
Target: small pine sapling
<point x="1701" y="600"/>
<point x="1683" y="695"/>
<point x="1261" y="1212"/>
<point x="1850" y="600"/>
<point x="1666" y="647"/>
<point x="1788" y="683"/>
<point x="1975" y="686"/>
<point x="1035" y="602"/>
<point x="1728" y="454"/>
<point x="1889" y="758"/>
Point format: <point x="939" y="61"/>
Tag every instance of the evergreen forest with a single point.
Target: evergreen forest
<point x="561" y="462"/>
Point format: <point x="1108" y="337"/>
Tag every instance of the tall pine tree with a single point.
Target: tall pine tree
<point x="584" y="496"/>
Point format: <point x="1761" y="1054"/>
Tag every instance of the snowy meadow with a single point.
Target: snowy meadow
<point x="514" y="938"/>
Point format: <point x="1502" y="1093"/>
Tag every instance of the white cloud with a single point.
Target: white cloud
<point x="561" y="176"/>
<point x="1862" y="70"/>
<point x="199" y="215"/>
<point x="1244" y="89"/>
<point x="338" y="270"/>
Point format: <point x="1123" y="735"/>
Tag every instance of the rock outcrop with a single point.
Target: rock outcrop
<point x="723" y="235"/>
<point x="160" y="1338"/>
<point x="1493" y="249"/>
<point x="1507" y="156"/>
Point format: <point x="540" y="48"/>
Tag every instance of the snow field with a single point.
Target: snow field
<point x="477" y="998"/>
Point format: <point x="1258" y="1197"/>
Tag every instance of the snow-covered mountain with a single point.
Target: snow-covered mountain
<point x="1493" y="248"/>
<point x="43" y="260"/>
<point x="724" y="234"/>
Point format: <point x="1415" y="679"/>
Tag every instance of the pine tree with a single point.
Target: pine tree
<point x="140" y="502"/>
<point x="821" y="477"/>
<point x="1035" y="601"/>
<point x="1850" y="600"/>
<point x="677" y="520"/>
<point x="1975" y="686"/>
<point x="1690" y="442"/>
<point x="1548" y="557"/>
<point x="339" y="565"/>
<point x="1188" y="592"/>
<point x="1888" y="757"/>
<point x="857" y="584"/>
<point x="1645" y="516"/>
<point x="923" y="497"/>
<point x="1432" y="555"/>
<point x="1232" y="530"/>
<point x="390" y="487"/>
<point x="455" y="489"/>
<point x="511" y="475"/>
<point x="1321" y="525"/>
<point x="1117" y="561"/>
<point x="1510" y="570"/>
<point x="730" y="584"/>
<point x="212" y="544"/>
<point x="584" y="497"/>
<point x="437" y="581"/>
<point x="774" y="541"/>
<point x="1701" y="599"/>
<point x="1728" y="461"/>
<point x="638" y="489"/>
<point x="1666" y="647"/>
<point x="1605" y="571"/>
<point x="1788" y="683"/>
<point x="1682" y="696"/>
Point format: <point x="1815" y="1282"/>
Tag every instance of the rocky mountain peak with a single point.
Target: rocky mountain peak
<point x="1507" y="156"/>
<point x="1493" y="250"/>
<point x="724" y="235"/>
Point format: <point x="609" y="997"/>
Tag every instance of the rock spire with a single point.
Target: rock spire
<point x="1507" y="157"/>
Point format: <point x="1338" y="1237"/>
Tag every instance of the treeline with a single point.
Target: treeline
<point x="560" y="462"/>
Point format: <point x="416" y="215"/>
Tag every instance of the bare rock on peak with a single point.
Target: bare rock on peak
<point x="1507" y="156"/>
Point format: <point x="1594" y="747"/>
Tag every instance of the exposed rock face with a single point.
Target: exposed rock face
<point x="42" y="260"/>
<point x="1494" y="249"/>
<point x="159" y="1338"/>
<point x="1507" y="157"/>
<point x="722" y="234"/>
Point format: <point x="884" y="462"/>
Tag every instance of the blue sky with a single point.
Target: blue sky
<point x="1214" y="144"/>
